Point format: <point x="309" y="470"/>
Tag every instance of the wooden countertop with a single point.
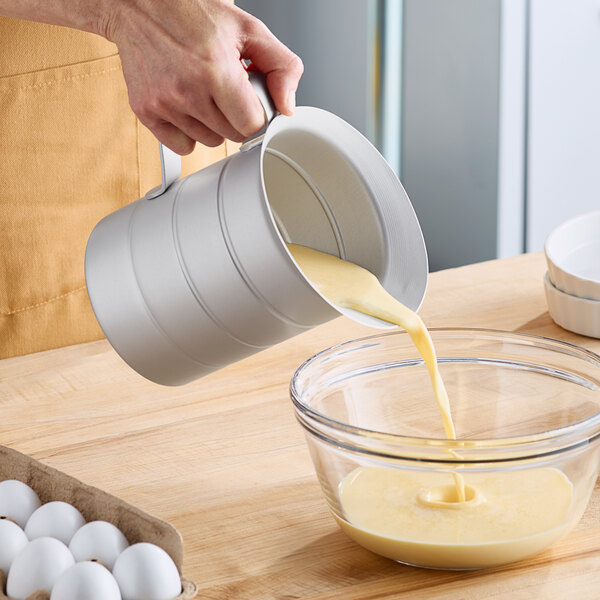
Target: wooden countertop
<point x="224" y="460"/>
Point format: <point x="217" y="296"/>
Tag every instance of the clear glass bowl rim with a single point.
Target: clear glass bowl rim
<point x="394" y="446"/>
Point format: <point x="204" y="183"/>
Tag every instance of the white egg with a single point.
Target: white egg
<point x="37" y="567"/>
<point x="12" y="541"/>
<point x="17" y="501"/>
<point x="146" y="571"/>
<point x="54" y="519"/>
<point x="86" y="581"/>
<point x="98" y="540"/>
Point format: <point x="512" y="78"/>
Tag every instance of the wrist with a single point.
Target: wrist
<point x="94" y="16"/>
<point x="105" y="18"/>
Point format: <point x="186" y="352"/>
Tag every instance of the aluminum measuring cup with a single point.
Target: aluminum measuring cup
<point x="196" y="274"/>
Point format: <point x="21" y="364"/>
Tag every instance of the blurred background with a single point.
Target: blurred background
<point x="488" y="110"/>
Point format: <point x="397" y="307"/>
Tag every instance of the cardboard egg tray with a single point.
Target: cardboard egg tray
<point x="94" y="504"/>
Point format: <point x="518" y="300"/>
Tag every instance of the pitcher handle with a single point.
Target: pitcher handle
<point x="170" y="168"/>
<point x="170" y="162"/>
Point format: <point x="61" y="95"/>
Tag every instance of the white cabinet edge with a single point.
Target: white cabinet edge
<point x="512" y="127"/>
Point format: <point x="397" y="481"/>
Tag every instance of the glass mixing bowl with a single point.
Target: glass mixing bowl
<point x="520" y="404"/>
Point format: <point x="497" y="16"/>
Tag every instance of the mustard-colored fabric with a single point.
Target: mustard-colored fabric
<point x="71" y="151"/>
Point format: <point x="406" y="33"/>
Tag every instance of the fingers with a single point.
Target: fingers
<point x="196" y="130"/>
<point x="197" y="107"/>
<point x="172" y="137"/>
<point x="181" y="132"/>
<point x="216" y="121"/>
<point x="151" y="113"/>
<point x="204" y="120"/>
<point x="194" y="87"/>
<point x="237" y="100"/>
<point x="281" y="66"/>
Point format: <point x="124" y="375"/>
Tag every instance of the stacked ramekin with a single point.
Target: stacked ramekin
<point x="572" y="282"/>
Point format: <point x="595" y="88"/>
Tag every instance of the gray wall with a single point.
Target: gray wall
<point x="451" y="71"/>
<point x="335" y="40"/>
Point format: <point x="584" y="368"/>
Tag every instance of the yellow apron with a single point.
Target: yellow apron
<point x="71" y="151"/>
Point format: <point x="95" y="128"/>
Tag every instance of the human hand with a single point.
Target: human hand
<point x="182" y="62"/>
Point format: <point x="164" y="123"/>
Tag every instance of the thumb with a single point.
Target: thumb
<point x="281" y="66"/>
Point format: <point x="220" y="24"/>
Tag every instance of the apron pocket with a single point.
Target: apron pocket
<point x="68" y="142"/>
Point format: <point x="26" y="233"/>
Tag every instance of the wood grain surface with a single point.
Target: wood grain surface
<point x="224" y="460"/>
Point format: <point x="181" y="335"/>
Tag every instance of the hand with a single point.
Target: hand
<point x="182" y="62"/>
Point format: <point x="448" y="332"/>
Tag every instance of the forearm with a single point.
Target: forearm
<point x="88" y="15"/>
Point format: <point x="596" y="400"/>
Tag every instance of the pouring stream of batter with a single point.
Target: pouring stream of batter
<point x="350" y="286"/>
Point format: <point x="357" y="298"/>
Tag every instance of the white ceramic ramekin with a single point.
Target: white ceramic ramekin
<point x="573" y="256"/>
<point x="579" y="315"/>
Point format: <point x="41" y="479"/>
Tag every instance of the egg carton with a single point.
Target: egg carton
<point x="95" y="505"/>
<point x="39" y="595"/>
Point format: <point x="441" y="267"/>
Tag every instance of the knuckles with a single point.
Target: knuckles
<point x="296" y="65"/>
<point x="254" y="28"/>
<point x="148" y="108"/>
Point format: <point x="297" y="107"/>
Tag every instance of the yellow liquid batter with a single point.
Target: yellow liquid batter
<point x="507" y="515"/>
<point x="418" y="517"/>
<point x="347" y="285"/>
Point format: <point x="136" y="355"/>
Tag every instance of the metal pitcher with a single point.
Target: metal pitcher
<point x="196" y="274"/>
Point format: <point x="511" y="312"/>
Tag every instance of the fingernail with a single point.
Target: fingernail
<point x="291" y="102"/>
